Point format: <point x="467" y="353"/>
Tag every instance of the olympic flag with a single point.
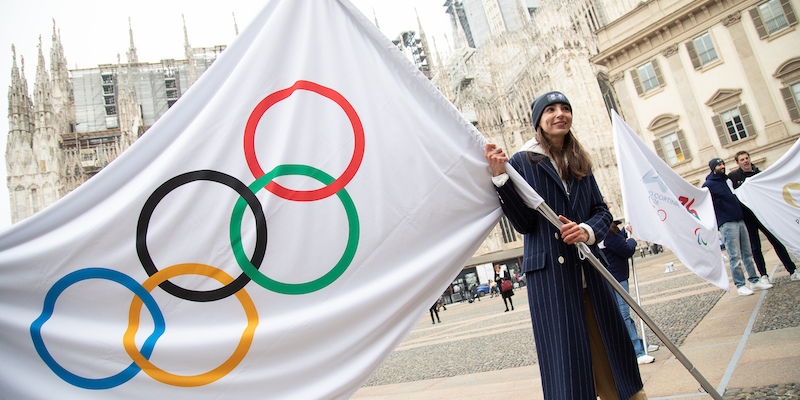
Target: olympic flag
<point x="774" y="196"/>
<point x="663" y="208"/>
<point x="274" y="235"/>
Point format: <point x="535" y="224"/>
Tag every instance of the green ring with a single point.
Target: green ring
<point x="294" y="288"/>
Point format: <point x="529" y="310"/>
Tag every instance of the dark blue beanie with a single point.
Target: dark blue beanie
<point x="538" y="106"/>
<point x="713" y="163"/>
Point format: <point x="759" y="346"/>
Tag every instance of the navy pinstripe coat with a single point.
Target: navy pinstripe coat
<point x="555" y="287"/>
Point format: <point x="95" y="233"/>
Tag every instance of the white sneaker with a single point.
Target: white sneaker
<point x="652" y="347"/>
<point x="744" y="291"/>
<point x="645" y="359"/>
<point x="795" y="276"/>
<point x="765" y="279"/>
<point x="759" y="285"/>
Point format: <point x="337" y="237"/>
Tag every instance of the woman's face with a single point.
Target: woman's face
<point x="556" y="121"/>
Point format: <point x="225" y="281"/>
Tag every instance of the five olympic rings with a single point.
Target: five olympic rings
<point x="230" y="286"/>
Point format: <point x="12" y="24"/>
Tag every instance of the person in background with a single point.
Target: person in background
<point x="730" y="221"/>
<point x="617" y="249"/>
<point x="747" y="169"/>
<point x="506" y="293"/>
<point x="435" y="310"/>
<point x="583" y="346"/>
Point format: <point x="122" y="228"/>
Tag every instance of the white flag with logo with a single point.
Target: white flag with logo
<point x="664" y="208"/>
<point x="274" y="235"/>
<point x="774" y="196"/>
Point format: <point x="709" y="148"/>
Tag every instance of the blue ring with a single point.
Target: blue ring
<point x="47" y="312"/>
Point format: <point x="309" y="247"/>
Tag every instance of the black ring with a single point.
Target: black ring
<point x="161" y="192"/>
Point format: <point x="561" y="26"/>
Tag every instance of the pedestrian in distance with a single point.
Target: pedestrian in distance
<point x="434" y="310"/>
<point x="730" y="222"/>
<point x="582" y="344"/>
<point x="738" y="176"/>
<point x="503" y="279"/>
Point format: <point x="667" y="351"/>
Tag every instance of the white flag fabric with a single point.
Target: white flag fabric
<point x="664" y="208"/>
<point x="774" y="197"/>
<point x="276" y="234"/>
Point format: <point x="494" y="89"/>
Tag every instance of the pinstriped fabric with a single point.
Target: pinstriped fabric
<point x="555" y="285"/>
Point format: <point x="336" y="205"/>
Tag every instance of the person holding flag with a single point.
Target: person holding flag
<point x="730" y="220"/>
<point x="581" y="340"/>
<point x="747" y="169"/>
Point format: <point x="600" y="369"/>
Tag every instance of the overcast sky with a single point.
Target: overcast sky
<point x="94" y="31"/>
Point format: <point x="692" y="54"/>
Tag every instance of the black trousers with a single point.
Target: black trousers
<point x="753" y="226"/>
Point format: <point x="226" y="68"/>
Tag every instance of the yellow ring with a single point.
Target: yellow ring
<point x="194" y="380"/>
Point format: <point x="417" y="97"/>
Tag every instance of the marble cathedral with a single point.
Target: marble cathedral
<point x="77" y="121"/>
<point x="683" y="73"/>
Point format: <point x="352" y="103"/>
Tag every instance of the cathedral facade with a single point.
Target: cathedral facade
<point x="77" y="121"/>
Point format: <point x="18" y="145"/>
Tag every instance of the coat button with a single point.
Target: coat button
<point x="561" y="259"/>
<point x="556" y="235"/>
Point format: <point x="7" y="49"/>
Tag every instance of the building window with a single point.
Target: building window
<point x="789" y="74"/>
<point x="701" y="50"/>
<point x="772" y="16"/>
<point x="509" y="235"/>
<point x="36" y="200"/>
<point x="647" y="77"/>
<point x="791" y="95"/>
<point x="733" y="125"/>
<point x="20" y="204"/>
<point x="672" y="149"/>
<point x="670" y="141"/>
<point x="108" y="78"/>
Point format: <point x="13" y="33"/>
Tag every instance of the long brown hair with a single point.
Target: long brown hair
<point x="577" y="163"/>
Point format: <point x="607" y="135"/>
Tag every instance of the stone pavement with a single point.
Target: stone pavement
<point x="746" y="347"/>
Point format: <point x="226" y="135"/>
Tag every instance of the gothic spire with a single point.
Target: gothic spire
<point x="187" y="48"/>
<point x="425" y="47"/>
<point x="19" y="102"/>
<point x="133" y="58"/>
<point x="41" y="84"/>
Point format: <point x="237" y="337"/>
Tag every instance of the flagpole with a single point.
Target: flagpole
<point x="638" y="301"/>
<point x="551" y="216"/>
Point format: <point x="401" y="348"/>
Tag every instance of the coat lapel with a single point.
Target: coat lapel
<point x="552" y="174"/>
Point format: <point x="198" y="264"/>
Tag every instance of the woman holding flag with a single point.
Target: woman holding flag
<point x="582" y="343"/>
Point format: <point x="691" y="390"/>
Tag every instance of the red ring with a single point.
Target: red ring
<point x="304" y="195"/>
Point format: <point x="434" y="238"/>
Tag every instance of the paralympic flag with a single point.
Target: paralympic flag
<point x="276" y="234"/>
<point x="774" y="196"/>
<point x="664" y="208"/>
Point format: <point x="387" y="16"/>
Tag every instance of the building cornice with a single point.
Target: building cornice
<point x="619" y="52"/>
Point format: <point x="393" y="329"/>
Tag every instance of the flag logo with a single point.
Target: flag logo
<point x="788" y="195"/>
<point x="230" y="286"/>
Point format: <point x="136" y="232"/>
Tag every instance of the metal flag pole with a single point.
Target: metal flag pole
<point x="638" y="301"/>
<point x="551" y="216"/>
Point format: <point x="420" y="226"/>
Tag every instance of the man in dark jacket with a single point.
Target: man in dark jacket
<point x="730" y="221"/>
<point x="746" y="170"/>
<point x="617" y="249"/>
